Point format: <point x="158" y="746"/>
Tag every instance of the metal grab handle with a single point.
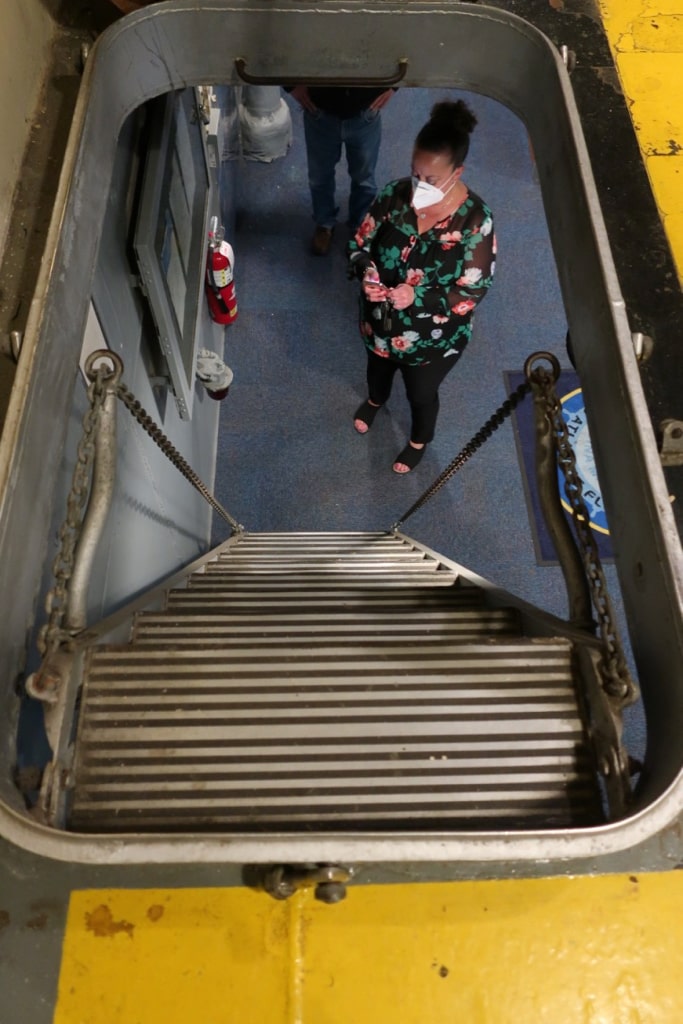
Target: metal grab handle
<point x="370" y="83"/>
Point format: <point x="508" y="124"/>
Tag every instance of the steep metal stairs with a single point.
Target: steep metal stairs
<point x="330" y="681"/>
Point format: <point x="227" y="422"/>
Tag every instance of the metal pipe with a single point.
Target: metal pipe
<point x="100" y="498"/>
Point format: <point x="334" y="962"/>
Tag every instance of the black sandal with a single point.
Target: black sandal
<point x="366" y="414"/>
<point x="409" y="457"/>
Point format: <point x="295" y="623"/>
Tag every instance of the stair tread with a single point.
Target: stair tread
<point x="327" y="681"/>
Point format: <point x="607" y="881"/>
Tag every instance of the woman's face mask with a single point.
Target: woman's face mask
<point x="425" y="194"/>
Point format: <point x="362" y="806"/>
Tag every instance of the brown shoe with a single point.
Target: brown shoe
<point x="321" y="241"/>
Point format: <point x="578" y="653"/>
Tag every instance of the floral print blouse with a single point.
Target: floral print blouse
<point x="450" y="268"/>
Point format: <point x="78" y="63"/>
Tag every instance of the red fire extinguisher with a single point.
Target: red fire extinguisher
<point x="220" y="287"/>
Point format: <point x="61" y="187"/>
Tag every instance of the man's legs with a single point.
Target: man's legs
<point x="362" y="136"/>
<point x="323" y="151"/>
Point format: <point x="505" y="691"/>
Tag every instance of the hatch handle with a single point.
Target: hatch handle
<point x="328" y="881"/>
<point x="386" y="83"/>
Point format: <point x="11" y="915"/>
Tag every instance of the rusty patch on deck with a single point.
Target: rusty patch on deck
<point x="101" y="923"/>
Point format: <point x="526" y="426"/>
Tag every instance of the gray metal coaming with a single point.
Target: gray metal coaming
<point x="177" y="43"/>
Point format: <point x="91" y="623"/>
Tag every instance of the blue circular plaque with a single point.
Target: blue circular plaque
<point x="574" y="414"/>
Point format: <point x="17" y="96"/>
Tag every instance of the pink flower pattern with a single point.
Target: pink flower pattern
<point x="365" y="228"/>
<point x="449" y="266"/>
<point x="450" y="238"/>
<point x="464" y="307"/>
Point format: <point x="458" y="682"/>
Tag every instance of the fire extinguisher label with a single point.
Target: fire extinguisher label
<point x="222" y="278"/>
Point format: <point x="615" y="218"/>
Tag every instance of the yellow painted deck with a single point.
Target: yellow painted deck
<point x="646" y="38"/>
<point x="547" y="951"/>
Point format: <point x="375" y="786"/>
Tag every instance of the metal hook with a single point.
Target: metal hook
<point x="110" y="376"/>
<point x="530" y="370"/>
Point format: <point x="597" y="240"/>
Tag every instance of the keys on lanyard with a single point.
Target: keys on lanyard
<point x="387" y="315"/>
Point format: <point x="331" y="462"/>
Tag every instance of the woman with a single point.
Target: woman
<point x="425" y="254"/>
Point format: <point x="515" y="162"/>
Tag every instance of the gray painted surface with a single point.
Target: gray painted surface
<point x="158" y="520"/>
<point x="27" y="34"/>
<point x="169" y="46"/>
<point x="36" y="888"/>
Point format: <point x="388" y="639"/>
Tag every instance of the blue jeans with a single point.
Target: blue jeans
<point x="325" y="135"/>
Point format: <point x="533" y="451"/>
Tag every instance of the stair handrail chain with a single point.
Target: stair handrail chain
<point x="473" y="445"/>
<point x="616" y="677"/>
<point x="52" y="634"/>
<point x="103" y="369"/>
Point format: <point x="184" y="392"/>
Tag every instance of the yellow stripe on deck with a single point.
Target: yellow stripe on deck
<point x="646" y="38"/>
<point x="602" y="950"/>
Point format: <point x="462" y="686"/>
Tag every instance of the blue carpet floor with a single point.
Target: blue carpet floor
<point x="289" y="458"/>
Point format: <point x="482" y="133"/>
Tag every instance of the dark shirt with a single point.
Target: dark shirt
<point x="343" y="102"/>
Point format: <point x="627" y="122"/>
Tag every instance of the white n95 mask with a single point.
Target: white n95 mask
<point x="425" y="194"/>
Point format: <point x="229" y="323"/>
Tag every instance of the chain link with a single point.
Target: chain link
<point x="52" y="634"/>
<point x="616" y="677"/>
<point x="482" y="435"/>
<point x="172" y="453"/>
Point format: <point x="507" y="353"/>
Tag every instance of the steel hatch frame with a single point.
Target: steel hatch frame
<point x="472" y="47"/>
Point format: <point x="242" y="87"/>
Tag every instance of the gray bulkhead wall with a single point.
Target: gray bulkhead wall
<point x="158" y="522"/>
<point x="453" y="45"/>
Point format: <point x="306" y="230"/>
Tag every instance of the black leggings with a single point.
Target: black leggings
<point x="422" y="389"/>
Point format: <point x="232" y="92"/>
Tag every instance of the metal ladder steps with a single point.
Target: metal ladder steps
<point x="507" y="661"/>
<point x="321" y="580"/>
<point x="321" y="566"/>
<point x="338" y="553"/>
<point x="226" y="598"/>
<point x="319" y="563"/>
<point x="296" y="624"/>
<point x="442" y="802"/>
<point x="413" y="738"/>
<point x="280" y="542"/>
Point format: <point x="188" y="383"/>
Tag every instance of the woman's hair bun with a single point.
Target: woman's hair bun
<point x="454" y="115"/>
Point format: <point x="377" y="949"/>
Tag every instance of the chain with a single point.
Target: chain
<point x="51" y="634"/>
<point x="172" y="453"/>
<point x="616" y="676"/>
<point x="491" y="425"/>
